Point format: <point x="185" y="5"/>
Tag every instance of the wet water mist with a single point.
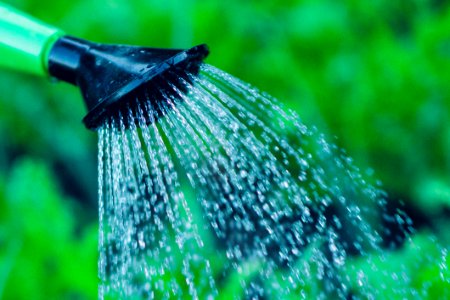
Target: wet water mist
<point x="220" y="193"/>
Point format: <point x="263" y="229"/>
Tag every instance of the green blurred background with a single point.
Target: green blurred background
<point x="375" y="74"/>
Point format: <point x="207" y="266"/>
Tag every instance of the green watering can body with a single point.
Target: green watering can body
<point x="25" y="42"/>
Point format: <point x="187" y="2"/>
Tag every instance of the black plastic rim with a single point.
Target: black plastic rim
<point x="112" y="76"/>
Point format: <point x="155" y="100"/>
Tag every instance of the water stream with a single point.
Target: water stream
<point x="221" y="193"/>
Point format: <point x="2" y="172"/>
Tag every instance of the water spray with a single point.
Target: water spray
<point x="283" y="213"/>
<point x="110" y="77"/>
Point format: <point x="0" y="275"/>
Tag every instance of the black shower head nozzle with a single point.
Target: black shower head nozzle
<point x="111" y="76"/>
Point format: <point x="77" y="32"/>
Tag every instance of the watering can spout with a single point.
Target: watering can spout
<point x="111" y="74"/>
<point x="108" y="76"/>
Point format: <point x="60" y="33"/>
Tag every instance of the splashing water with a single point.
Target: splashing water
<point x="227" y="195"/>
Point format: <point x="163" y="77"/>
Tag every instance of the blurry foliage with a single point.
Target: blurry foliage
<point x="373" y="73"/>
<point x="425" y="278"/>
<point x="45" y="254"/>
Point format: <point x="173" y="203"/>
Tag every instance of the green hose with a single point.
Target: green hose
<point x="25" y="42"/>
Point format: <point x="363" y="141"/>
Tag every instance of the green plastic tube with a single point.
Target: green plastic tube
<point x="25" y="42"/>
